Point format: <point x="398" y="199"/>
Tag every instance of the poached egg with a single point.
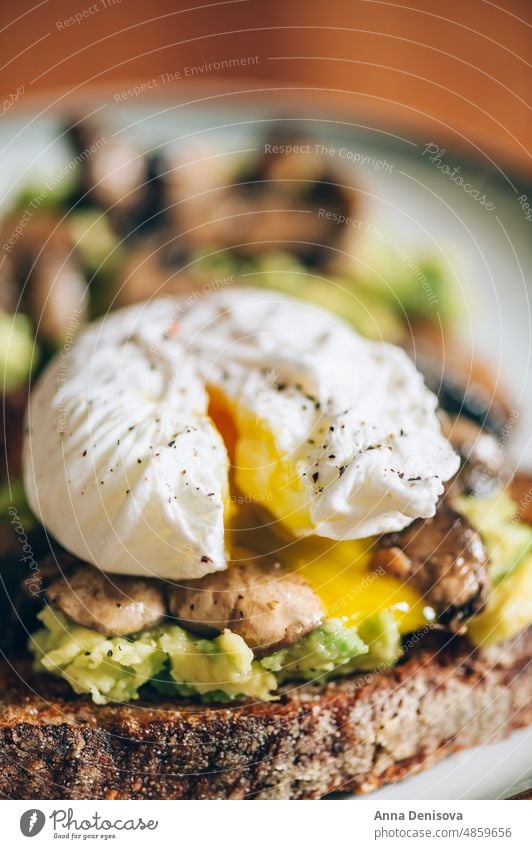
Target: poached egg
<point x="147" y="429"/>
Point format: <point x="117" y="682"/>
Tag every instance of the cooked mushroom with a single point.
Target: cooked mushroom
<point x="115" y="169"/>
<point x="255" y="597"/>
<point x="483" y="469"/>
<point x="57" y="297"/>
<point x="117" y="177"/>
<point x="464" y="386"/>
<point x="287" y="198"/>
<point x="445" y="559"/>
<point x="113" y="605"/>
<point x="521" y="491"/>
<point x="8" y="287"/>
<point x="12" y="433"/>
<point x="54" y="289"/>
<point x="149" y="271"/>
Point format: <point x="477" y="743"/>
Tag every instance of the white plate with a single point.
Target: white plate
<point x="493" y="771"/>
<point x="416" y="202"/>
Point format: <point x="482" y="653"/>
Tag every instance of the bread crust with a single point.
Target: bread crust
<point x="352" y="734"/>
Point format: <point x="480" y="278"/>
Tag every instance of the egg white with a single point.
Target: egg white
<point x="124" y="457"/>
<point x="121" y="462"/>
<point x="336" y="436"/>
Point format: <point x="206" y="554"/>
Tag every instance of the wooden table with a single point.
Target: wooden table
<point x="457" y="73"/>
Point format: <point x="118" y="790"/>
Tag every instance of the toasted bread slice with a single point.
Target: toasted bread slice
<point x="351" y="734"/>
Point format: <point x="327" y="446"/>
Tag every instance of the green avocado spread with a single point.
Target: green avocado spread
<point x="177" y="663"/>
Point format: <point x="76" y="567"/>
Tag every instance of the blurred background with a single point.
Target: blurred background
<point x="459" y="72"/>
<point x="369" y="156"/>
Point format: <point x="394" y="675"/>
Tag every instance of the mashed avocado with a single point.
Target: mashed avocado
<point x="110" y="669"/>
<point x="507" y="540"/>
<point x="334" y="649"/>
<point x="221" y="669"/>
<point x="12" y="495"/>
<point x="382" y="635"/>
<point x="178" y="663"/>
<point x="17" y="349"/>
<point x="174" y="661"/>
<point x="509" y="608"/>
<point x="385" y="288"/>
<point x="320" y="653"/>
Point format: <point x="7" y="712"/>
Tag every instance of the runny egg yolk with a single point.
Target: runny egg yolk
<point x="258" y="469"/>
<point x="340" y="575"/>
<point x="220" y="413"/>
<point x="339" y="572"/>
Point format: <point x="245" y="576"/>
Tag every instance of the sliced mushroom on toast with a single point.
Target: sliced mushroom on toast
<point x="255" y="597"/>
<point x="110" y="604"/>
<point x="278" y="200"/>
<point x="521" y="491"/>
<point x="464" y="385"/>
<point x="445" y="559"/>
<point x="484" y="468"/>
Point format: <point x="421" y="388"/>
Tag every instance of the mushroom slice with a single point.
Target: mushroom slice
<point x="112" y="605"/>
<point x="521" y="491"/>
<point x="464" y="386"/>
<point x="268" y="606"/>
<point x="277" y="199"/>
<point x="445" y="560"/>
<point x="47" y="268"/>
<point x="484" y="468"/>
